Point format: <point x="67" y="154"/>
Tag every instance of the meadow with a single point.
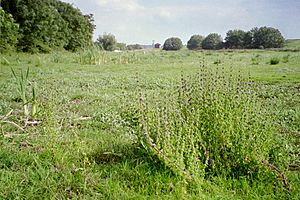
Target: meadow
<point x="80" y="137"/>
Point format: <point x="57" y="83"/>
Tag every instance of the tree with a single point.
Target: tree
<point x="121" y="46"/>
<point x="248" y="37"/>
<point x="9" y="31"/>
<point x="49" y="24"/>
<point x="212" y="41"/>
<point x="172" y="44"/>
<point x="134" y="47"/>
<point x="79" y="28"/>
<point x="107" y="41"/>
<point x="267" y="37"/>
<point x="235" y="39"/>
<point x="195" y="42"/>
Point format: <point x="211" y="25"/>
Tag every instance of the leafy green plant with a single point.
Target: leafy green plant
<point x="214" y="125"/>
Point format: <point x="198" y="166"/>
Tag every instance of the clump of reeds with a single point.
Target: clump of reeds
<point x="22" y="83"/>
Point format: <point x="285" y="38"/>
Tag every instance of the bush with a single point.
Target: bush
<point x="212" y="41"/>
<point x="172" y="44"/>
<point x="195" y="42"/>
<point x="274" y="61"/>
<point x="214" y="125"/>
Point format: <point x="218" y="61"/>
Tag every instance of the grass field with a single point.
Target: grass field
<point x="79" y="144"/>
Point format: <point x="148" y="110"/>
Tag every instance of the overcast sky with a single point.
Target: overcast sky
<point x="142" y="21"/>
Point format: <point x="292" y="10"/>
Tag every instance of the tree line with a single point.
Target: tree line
<point x="256" y="38"/>
<point x="43" y="25"/>
<point x="108" y="42"/>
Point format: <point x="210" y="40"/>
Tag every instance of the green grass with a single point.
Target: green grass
<point x="293" y="43"/>
<point x="83" y="145"/>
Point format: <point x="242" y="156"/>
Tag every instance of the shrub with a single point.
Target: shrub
<point x="172" y="44"/>
<point x="195" y="42"/>
<point x="214" y="125"/>
<point x="274" y="61"/>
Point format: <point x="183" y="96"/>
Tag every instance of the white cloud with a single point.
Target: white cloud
<point x="120" y="5"/>
<point x="141" y="21"/>
<point x="164" y="14"/>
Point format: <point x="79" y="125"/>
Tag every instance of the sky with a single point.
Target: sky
<point x="145" y="21"/>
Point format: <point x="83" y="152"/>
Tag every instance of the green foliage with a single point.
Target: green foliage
<point x="121" y="46"/>
<point x="274" y="61"/>
<point x="267" y="37"/>
<point x="80" y="27"/>
<point x="9" y="31"/>
<point x="195" y="42"/>
<point x="285" y="59"/>
<point x="256" y="59"/>
<point x="235" y="39"/>
<point x="91" y="56"/>
<point x="257" y="38"/>
<point x="134" y="47"/>
<point x="172" y="44"/>
<point x="212" y="41"/>
<point x="49" y="24"/>
<point x="107" y="41"/>
<point x="85" y="148"/>
<point x="248" y="37"/>
<point x="215" y="125"/>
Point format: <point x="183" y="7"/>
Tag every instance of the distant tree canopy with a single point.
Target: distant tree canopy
<point x="195" y="42"/>
<point x="235" y="39"/>
<point x="172" y="44"/>
<point x="267" y="37"/>
<point x="120" y="46"/>
<point x="107" y="41"/>
<point x="49" y="24"/>
<point x="212" y="41"/>
<point x="256" y="38"/>
<point x="134" y="47"/>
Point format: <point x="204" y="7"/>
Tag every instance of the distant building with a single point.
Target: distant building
<point x="157" y="46"/>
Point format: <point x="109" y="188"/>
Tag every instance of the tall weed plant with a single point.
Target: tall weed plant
<point x="213" y="124"/>
<point x="22" y="84"/>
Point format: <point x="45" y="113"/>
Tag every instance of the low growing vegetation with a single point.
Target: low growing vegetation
<point x="107" y="120"/>
<point x="159" y="125"/>
<point x="214" y="125"/>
